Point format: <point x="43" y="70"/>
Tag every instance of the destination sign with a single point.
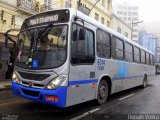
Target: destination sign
<point x="52" y="18"/>
<point x="55" y="16"/>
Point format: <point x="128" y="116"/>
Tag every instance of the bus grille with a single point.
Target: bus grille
<point x="34" y="84"/>
<point x="35" y="77"/>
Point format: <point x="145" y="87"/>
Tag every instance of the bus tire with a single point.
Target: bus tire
<point x="144" y="85"/>
<point x="102" y="93"/>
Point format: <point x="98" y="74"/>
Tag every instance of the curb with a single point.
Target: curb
<point x="5" y="87"/>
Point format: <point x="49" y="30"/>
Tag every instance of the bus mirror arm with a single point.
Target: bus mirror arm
<point x="82" y="31"/>
<point x="78" y="19"/>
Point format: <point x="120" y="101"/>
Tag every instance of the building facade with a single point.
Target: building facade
<point x="14" y="12"/>
<point x="101" y="10"/>
<point x="130" y="15"/>
<point x="121" y="27"/>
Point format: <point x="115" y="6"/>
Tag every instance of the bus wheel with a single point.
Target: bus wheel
<point x="144" y="85"/>
<point x="102" y="93"/>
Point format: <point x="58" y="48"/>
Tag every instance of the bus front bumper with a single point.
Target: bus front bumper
<point x="55" y="97"/>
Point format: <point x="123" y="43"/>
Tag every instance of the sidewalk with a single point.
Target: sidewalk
<point x="4" y="85"/>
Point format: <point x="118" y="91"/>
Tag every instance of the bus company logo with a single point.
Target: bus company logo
<point x="30" y="84"/>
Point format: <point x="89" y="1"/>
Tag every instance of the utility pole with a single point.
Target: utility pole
<point x="132" y="26"/>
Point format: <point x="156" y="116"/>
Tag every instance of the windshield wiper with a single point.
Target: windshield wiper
<point x="44" y="32"/>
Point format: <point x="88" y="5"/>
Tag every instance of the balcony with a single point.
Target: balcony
<point x="30" y="7"/>
<point x="45" y="7"/>
<point x="83" y="8"/>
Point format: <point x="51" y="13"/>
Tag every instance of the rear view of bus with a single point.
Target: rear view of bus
<point x="41" y="67"/>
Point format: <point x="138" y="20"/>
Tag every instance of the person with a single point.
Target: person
<point x="10" y="66"/>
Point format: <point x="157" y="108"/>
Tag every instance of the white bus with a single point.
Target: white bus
<point x="65" y="58"/>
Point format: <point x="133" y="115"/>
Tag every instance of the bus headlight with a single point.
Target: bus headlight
<point x="56" y="82"/>
<point x="14" y="77"/>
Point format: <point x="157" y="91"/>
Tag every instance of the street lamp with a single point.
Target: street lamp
<point x="132" y="26"/>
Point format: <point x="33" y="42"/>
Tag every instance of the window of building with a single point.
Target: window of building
<point x="130" y="8"/>
<point x="143" y="57"/>
<point x="102" y="20"/>
<point x="119" y="12"/>
<point x="108" y="4"/>
<point x="82" y="45"/>
<point x="96" y="16"/>
<point x="47" y="5"/>
<point x="126" y="34"/>
<point x="68" y="4"/>
<point x="108" y="23"/>
<point x="125" y="18"/>
<point x="129" y="19"/>
<point x="117" y="48"/>
<point x="134" y="36"/>
<point x="135" y="30"/>
<point x="103" y="44"/>
<point x="128" y="52"/>
<point x="129" y="13"/>
<point x="125" y="13"/>
<point x="103" y="3"/>
<point x="119" y="29"/>
<point x="136" y="54"/>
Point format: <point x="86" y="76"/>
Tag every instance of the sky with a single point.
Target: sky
<point x="149" y="13"/>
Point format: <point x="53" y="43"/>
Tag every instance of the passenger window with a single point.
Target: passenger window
<point x="143" y="57"/>
<point x="117" y="48"/>
<point x="103" y="44"/>
<point x="82" y="45"/>
<point x="136" y="54"/>
<point x="128" y="52"/>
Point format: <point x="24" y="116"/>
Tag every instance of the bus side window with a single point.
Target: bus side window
<point x="117" y="48"/>
<point x="103" y="44"/>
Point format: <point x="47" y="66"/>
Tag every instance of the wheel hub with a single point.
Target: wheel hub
<point x="102" y="92"/>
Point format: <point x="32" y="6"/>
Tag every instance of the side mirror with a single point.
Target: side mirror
<point x="82" y="34"/>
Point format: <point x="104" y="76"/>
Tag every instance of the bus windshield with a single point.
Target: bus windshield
<point x="42" y="47"/>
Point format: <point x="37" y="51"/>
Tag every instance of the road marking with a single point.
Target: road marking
<point x="126" y="97"/>
<point x="19" y="101"/>
<point x="85" y="114"/>
<point x="146" y="88"/>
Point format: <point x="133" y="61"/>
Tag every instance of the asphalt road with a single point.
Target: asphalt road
<point x="122" y="106"/>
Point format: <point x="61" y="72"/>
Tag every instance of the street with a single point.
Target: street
<point x="133" y="101"/>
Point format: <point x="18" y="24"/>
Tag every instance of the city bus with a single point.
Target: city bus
<point x="66" y="58"/>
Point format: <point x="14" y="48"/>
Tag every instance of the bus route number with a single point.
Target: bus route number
<point x="101" y="63"/>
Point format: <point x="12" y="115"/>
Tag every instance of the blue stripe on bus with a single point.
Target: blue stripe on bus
<point x="83" y="82"/>
<point x="96" y="80"/>
<point x="129" y="77"/>
<point x="152" y="75"/>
